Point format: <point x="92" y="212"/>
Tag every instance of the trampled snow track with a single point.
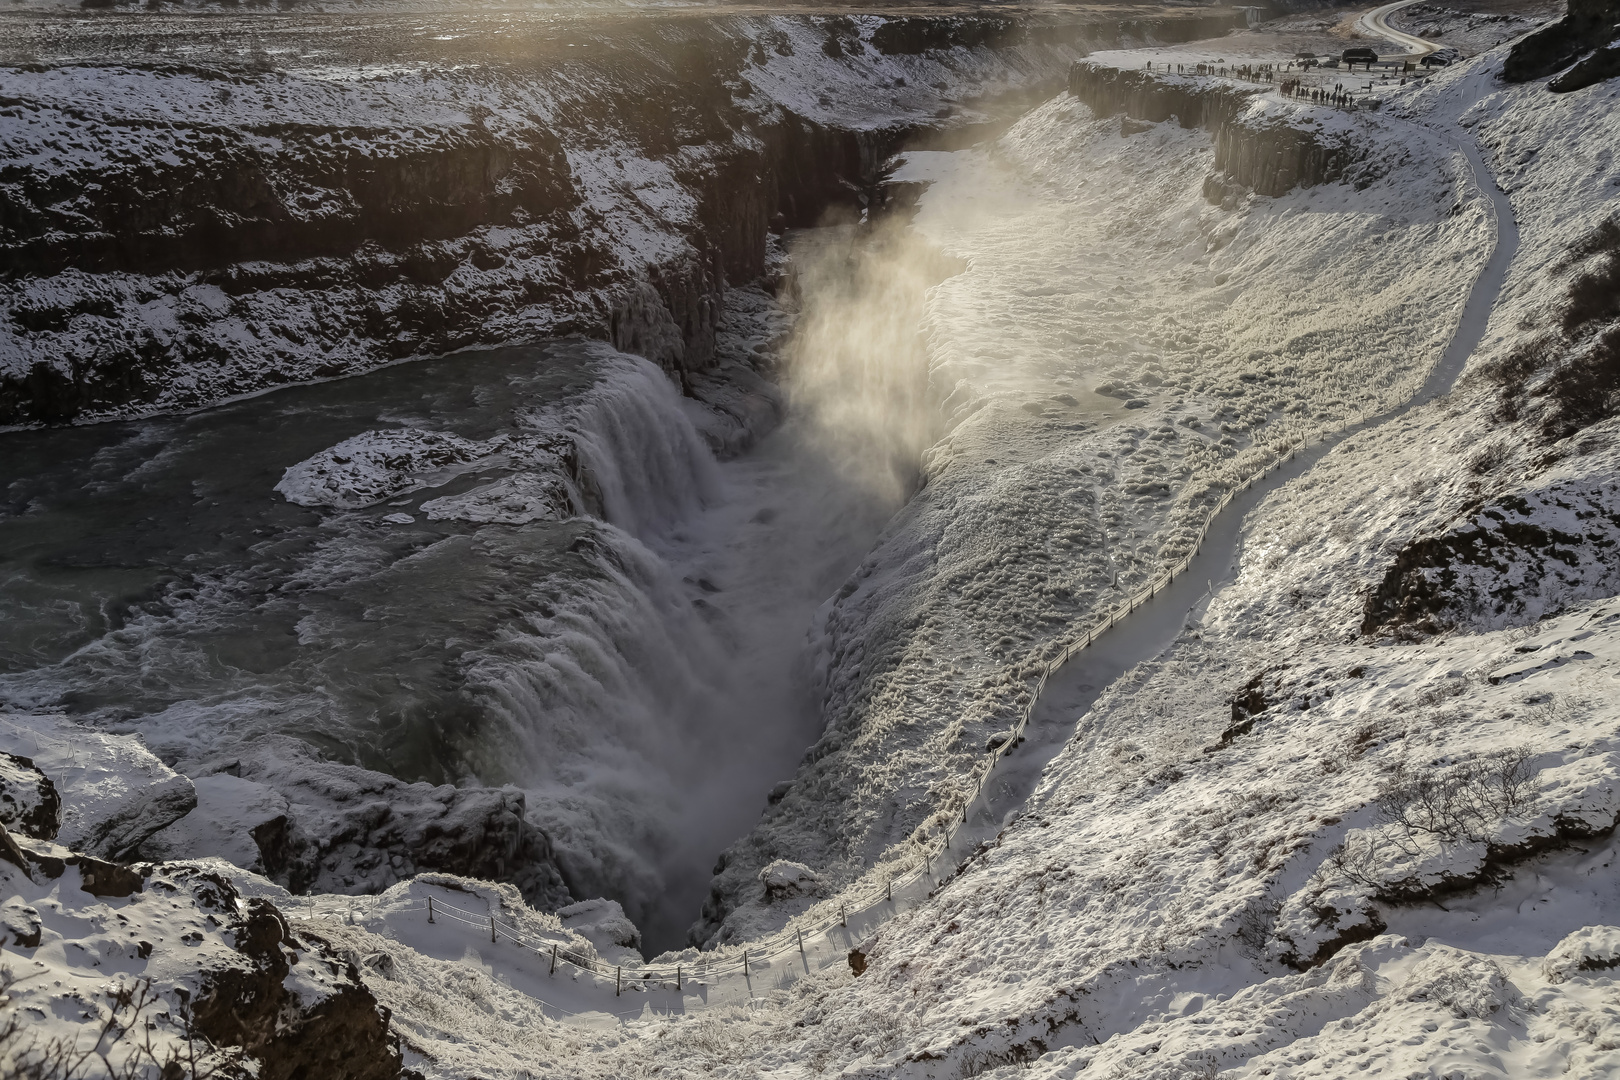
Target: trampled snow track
<point x="1137" y="631"/>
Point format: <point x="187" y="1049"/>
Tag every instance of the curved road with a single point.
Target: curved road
<point x="1375" y="23"/>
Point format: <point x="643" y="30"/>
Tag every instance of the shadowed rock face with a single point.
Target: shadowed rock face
<point x="1588" y="25"/>
<point x="344" y="1034"/>
<point x="178" y="231"/>
<point x="29" y="803"/>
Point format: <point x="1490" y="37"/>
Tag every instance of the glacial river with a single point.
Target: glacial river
<point x="640" y="669"/>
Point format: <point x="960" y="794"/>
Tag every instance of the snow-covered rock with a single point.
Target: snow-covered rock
<point x="603" y="924"/>
<point x="785" y="879"/>
<point x="29" y="803"/>
<point x="313" y="825"/>
<point x="378" y="465"/>
<point x="229" y="816"/>
<point x="114" y="792"/>
<point x="168" y="963"/>
<point x="1589" y="949"/>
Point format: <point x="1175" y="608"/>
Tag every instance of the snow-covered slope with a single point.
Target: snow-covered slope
<point x="1118" y="355"/>
<point x="1424" y="825"/>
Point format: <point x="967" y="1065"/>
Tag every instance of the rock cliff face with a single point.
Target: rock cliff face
<point x="1254" y="151"/>
<point x="29" y="803"/>
<point x="1145" y="95"/>
<point x="1586" y="26"/>
<point x="172" y="233"/>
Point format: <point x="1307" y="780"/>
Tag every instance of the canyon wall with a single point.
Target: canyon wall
<point x="175" y="231"/>
<point x="1255" y="150"/>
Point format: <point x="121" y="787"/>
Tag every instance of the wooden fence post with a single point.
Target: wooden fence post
<point x="430" y="909"/>
<point x="801" y="942"/>
<point x="618" y="980"/>
<point x="492" y="928"/>
<point x="677" y="978"/>
<point x="843" y="916"/>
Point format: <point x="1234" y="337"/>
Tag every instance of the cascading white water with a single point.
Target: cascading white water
<point x="641" y="459"/>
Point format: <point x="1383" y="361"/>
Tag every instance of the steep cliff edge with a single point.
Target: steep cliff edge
<point x="1256" y="149"/>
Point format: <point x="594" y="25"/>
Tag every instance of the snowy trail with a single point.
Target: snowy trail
<point x="1070" y="692"/>
<point x="1376" y="24"/>
<point x="736" y="975"/>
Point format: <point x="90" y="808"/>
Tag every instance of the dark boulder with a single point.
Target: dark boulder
<point x="344" y="1034"/>
<point x="1587" y="25"/>
<point x="29" y="803"/>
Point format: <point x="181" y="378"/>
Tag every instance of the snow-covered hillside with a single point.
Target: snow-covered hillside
<point x="1357" y="819"/>
<point x="1422" y="823"/>
<point x="1118" y="355"/>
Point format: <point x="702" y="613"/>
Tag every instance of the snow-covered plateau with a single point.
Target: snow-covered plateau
<point x="1342" y="802"/>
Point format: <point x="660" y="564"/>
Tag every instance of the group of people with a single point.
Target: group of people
<point x="1251" y="72"/>
<point x="1339" y="95"/>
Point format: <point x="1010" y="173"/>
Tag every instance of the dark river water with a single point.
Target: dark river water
<point x="637" y="663"/>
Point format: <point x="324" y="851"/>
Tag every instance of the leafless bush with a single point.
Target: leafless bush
<point x="1461" y="802"/>
<point x="1256" y="922"/>
<point x="1455" y="803"/>
<point x="120" y="1044"/>
<point x="1489" y="458"/>
<point x="983" y="1062"/>
<point x="1355" y="861"/>
<point x="1440" y="692"/>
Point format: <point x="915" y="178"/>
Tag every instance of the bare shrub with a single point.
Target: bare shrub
<point x="118" y="1046"/>
<point x="1573" y="375"/>
<point x="985" y="1061"/>
<point x="1594" y="296"/>
<point x="1441" y="692"/>
<point x="1585" y="388"/>
<point x="1461" y="802"/>
<point x="1355" y="861"/>
<point x="1489" y="458"/>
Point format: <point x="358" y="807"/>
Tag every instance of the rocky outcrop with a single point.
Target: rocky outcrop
<point x="29" y="803"/>
<point x="343" y="1033"/>
<point x="111" y="792"/>
<point x="312" y="825"/>
<point x="1599" y="67"/>
<point x="1587" y="25"/>
<point x="1532" y="552"/>
<point x="205" y="979"/>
